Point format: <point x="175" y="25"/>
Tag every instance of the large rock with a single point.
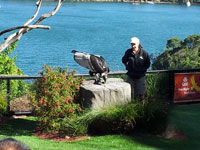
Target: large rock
<point x="114" y="92"/>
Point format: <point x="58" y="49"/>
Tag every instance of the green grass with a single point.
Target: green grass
<point x="184" y="117"/>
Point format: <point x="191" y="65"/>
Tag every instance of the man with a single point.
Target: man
<point x="136" y="61"/>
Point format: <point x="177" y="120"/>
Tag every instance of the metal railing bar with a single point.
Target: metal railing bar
<point x="13" y="77"/>
<point x="24" y="77"/>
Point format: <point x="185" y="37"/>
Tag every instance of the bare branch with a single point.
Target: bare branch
<point x="44" y="16"/>
<point x="26" y="27"/>
<point x="49" y="14"/>
<point x="38" y="4"/>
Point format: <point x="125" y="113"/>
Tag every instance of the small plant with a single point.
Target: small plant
<point x="119" y="119"/>
<point x="153" y="116"/>
<point x="74" y="126"/>
<point x="3" y="104"/>
<point x="54" y="97"/>
<point x="158" y="86"/>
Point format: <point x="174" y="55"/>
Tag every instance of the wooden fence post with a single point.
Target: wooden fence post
<point x="8" y="89"/>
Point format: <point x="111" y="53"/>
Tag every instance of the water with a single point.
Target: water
<point x="94" y="27"/>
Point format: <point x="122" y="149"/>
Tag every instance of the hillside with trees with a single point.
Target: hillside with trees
<point x="179" y="54"/>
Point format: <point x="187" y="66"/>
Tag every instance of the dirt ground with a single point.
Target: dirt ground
<point x="57" y="137"/>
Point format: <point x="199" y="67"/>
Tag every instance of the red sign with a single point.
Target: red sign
<point x="187" y="87"/>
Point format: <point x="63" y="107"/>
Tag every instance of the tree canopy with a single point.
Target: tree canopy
<point x="179" y="54"/>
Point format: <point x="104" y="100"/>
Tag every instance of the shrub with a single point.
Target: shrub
<point x="148" y="116"/>
<point x="3" y="104"/>
<point x="74" y="126"/>
<point x="8" y="67"/>
<point x="159" y="86"/>
<point x="54" y="97"/>
<point x="153" y="116"/>
<point x="118" y="119"/>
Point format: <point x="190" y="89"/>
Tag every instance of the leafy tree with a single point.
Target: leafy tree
<point x="173" y="43"/>
<point x="179" y="55"/>
<point x="192" y="41"/>
<point x="8" y="67"/>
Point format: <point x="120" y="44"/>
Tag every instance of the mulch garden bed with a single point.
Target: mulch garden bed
<point x="57" y="137"/>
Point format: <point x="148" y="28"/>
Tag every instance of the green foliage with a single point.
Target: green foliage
<point x="192" y="41"/>
<point x="54" y="97"/>
<point x="8" y="64"/>
<point x="183" y="117"/>
<point x="8" y="67"/>
<point x="174" y="43"/>
<point x="73" y="126"/>
<point x="185" y="56"/>
<point x="3" y="104"/>
<point x="157" y="86"/>
<point x="151" y="115"/>
<point x="118" y="119"/>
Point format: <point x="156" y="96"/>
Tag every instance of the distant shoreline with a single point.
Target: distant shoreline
<point x="131" y="1"/>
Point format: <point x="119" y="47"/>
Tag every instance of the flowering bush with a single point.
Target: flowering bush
<point x="54" y="97"/>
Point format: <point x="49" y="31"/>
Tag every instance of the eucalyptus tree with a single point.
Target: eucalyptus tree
<point x="7" y="64"/>
<point x="28" y="26"/>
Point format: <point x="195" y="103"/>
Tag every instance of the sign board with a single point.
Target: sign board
<point x="187" y="87"/>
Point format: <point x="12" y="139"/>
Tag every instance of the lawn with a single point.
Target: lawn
<point x="185" y="118"/>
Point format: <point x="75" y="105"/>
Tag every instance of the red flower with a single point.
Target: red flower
<point x="77" y="86"/>
<point x="45" y="91"/>
<point x="41" y="101"/>
<point x="70" y="110"/>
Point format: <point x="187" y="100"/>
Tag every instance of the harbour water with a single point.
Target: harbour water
<point x="94" y="27"/>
